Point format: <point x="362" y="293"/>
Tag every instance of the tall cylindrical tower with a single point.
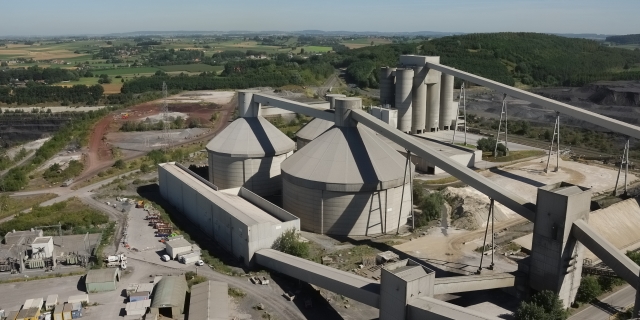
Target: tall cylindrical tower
<point x="433" y="107"/>
<point x="404" y="84"/>
<point x="419" y="99"/>
<point x="448" y="110"/>
<point x="387" y="86"/>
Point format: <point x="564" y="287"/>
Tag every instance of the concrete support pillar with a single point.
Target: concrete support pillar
<point x="332" y="99"/>
<point x="433" y="107"/>
<point x="246" y="107"/>
<point x="556" y="256"/>
<point x="419" y="99"/>
<point x="343" y="110"/>
<point x="636" y="307"/>
<point x="404" y="83"/>
<point x="401" y="283"/>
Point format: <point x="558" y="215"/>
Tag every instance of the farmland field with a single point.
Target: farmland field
<point x="199" y="67"/>
<point x="364" y="42"/>
<point x="317" y="49"/>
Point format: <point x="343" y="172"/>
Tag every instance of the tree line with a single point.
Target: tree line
<point x="35" y="73"/>
<point x="625" y="39"/>
<point x="90" y="95"/>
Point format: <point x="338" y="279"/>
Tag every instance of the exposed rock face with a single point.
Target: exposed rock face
<point x="470" y="208"/>
<point x="619" y="93"/>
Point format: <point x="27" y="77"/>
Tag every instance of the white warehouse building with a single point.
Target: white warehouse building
<point x="239" y="220"/>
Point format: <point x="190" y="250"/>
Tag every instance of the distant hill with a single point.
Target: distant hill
<point x="533" y="59"/>
<point x="627" y="39"/>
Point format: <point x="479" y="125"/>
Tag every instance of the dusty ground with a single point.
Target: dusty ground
<point x="203" y="96"/>
<point x="99" y="154"/>
<point x="525" y="177"/>
<point x="29" y="146"/>
<point x="58" y="109"/>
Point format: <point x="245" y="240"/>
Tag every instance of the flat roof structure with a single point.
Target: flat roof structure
<point x="42" y="240"/>
<point x="209" y="301"/>
<point x="18" y="237"/>
<point x="145" y="287"/>
<point x="101" y="275"/>
<point x="233" y="204"/>
<point x="178" y="243"/>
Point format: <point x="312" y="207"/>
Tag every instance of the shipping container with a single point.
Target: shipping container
<point x="66" y="311"/>
<point x="52" y="300"/>
<point x="78" y="298"/>
<point x="57" y="312"/>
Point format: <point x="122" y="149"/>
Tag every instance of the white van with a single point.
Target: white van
<point x="166" y="257"/>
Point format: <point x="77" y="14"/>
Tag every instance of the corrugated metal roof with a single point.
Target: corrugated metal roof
<point x="170" y="292"/>
<point x="101" y="275"/>
<point x="346" y="159"/>
<point x="250" y="138"/>
<point x="145" y="287"/>
<point x="209" y="301"/>
<point x="235" y="205"/>
<point x="313" y="129"/>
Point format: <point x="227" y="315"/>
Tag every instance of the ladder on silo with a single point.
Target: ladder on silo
<point x="373" y="210"/>
<point x="461" y="120"/>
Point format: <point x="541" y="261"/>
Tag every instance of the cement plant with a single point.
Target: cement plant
<point x="279" y="175"/>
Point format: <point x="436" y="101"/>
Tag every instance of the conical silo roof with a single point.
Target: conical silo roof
<point x="346" y="159"/>
<point x="250" y="138"/>
<point x="313" y="129"/>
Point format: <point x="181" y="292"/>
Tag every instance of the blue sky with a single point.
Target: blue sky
<point x="55" y="17"/>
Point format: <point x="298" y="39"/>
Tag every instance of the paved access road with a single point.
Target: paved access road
<point x="603" y="309"/>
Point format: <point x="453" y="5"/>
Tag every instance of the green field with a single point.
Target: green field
<point x="317" y="49"/>
<point x="192" y="68"/>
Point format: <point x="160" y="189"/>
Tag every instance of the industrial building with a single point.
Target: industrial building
<point x="101" y="280"/>
<point x="248" y="152"/>
<point x="348" y="167"/>
<point x="347" y="181"/>
<point x="42" y="247"/>
<point x="209" y="301"/>
<point x="22" y="237"/>
<point x="174" y="247"/>
<point x="169" y="296"/>
<point x="137" y="308"/>
<point x="239" y="220"/>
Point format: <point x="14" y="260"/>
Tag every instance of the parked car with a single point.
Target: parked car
<point x="200" y="263"/>
<point x="166" y="257"/>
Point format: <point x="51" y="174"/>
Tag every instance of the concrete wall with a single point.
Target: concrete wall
<point x="342" y="213"/>
<point x="433" y="309"/>
<point x="260" y="175"/>
<point x="556" y="257"/>
<point x="212" y="216"/>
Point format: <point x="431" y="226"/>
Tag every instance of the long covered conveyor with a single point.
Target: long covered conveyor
<point x="588" y="116"/>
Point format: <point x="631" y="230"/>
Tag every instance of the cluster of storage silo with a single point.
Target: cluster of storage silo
<point x="422" y="97"/>
<point x="342" y="180"/>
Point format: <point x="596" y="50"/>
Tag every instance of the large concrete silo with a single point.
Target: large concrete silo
<point x="433" y="107"/>
<point x="404" y="84"/>
<point x="316" y="126"/>
<point x="248" y="152"/>
<point x="387" y="86"/>
<point x="419" y="99"/>
<point x="448" y="109"/>
<point x="347" y="181"/>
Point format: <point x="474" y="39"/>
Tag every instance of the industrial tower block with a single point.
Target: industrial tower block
<point x="556" y="256"/>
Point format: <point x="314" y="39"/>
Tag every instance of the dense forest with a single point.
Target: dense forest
<point x="626" y="39"/>
<point x="530" y="58"/>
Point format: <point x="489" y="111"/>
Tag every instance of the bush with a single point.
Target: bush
<point x="119" y="164"/>
<point x="487" y="144"/>
<point x="589" y="289"/>
<point x="431" y="208"/>
<point x="544" y="305"/>
<point x="144" y="168"/>
<point x="289" y="243"/>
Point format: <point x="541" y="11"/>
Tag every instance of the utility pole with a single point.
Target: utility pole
<point x="624" y="161"/>
<point x="556" y="133"/>
<point x="165" y="117"/>
<point x="504" y="114"/>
